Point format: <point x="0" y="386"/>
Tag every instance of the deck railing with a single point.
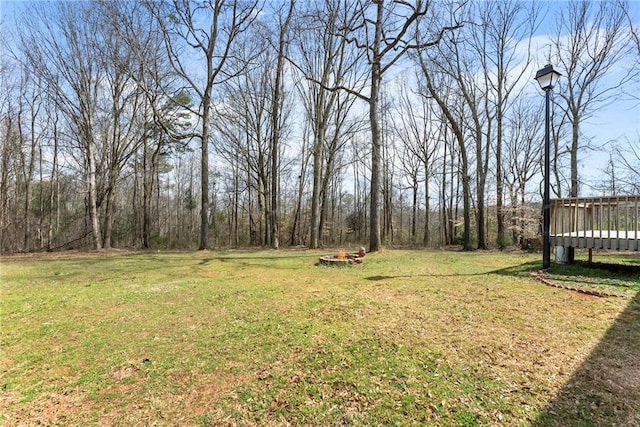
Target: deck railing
<point x="596" y="222"/>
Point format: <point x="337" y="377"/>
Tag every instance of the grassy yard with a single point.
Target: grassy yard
<point x="270" y="338"/>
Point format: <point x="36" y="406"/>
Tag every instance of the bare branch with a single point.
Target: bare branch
<point x="338" y="88"/>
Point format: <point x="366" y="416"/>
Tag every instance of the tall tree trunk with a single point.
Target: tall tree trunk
<point x="575" y="137"/>
<point x="5" y="168"/>
<point x="204" y="171"/>
<point x="443" y="198"/>
<point x="54" y="193"/>
<point x="147" y="194"/>
<point x="481" y="179"/>
<point x="275" y="129"/>
<point x="318" y="146"/>
<point x="28" y="167"/>
<point x="500" y="240"/>
<point x="296" y="227"/>
<point x="376" y="137"/>
<point x="108" y="221"/>
<point x="464" y="166"/>
<point x="427" y="209"/>
<point x="93" y="194"/>
<point x="414" y="208"/>
<point x="236" y="205"/>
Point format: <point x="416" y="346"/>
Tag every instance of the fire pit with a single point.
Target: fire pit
<point x="343" y="259"/>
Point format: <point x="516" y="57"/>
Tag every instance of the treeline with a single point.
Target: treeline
<point x="222" y="123"/>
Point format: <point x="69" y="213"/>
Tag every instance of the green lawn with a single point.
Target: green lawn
<point x="271" y="338"/>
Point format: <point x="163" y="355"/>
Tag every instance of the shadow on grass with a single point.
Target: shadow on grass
<point x="626" y="278"/>
<point x="601" y="269"/>
<point x="258" y="261"/>
<point x="621" y="279"/>
<point x="521" y="270"/>
<point x="230" y="256"/>
<point x="605" y="390"/>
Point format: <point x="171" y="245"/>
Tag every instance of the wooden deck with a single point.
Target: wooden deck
<point x="596" y="222"/>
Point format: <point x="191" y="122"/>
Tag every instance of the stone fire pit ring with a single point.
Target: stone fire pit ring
<point x="343" y="259"/>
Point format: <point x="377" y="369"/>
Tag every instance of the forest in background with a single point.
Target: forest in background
<point x="233" y="123"/>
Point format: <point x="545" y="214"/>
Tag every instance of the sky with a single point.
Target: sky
<point x="617" y="122"/>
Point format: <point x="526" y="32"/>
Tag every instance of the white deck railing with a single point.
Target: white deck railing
<point x="596" y="222"/>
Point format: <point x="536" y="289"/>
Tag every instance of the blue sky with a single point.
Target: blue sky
<point x="615" y="123"/>
<point x="618" y="122"/>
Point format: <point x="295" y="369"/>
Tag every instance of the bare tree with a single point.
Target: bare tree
<point x="30" y="104"/>
<point x="385" y="34"/>
<point x="523" y="132"/>
<point x="634" y="34"/>
<point x="284" y="21"/>
<point x="629" y="177"/>
<point x="416" y="129"/>
<point x="591" y="39"/>
<point x="247" y="130"/>
<point x="162" y="115"/>
<point x="504" y="27"/>
<point x="480" y="61"/>
<point x="458" y="65"/>
<point x="122" y="104"/>
<point x="452" y="111"/>
<point x="59" y="48"/>
<point x="10" y="145"/>
<point x="204" y="33"/>
<point x="323" y="55"/>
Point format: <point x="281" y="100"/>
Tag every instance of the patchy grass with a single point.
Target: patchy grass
<point x="270" y="338"/>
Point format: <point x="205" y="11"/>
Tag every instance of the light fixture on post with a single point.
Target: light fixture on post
<point x="547" y="77"/>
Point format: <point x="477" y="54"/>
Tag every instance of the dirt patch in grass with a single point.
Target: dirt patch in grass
<point x="52" y="408"/>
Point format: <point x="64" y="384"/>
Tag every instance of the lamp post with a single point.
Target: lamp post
<point x="547" y="77"/>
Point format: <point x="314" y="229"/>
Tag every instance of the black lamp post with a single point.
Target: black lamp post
<point x="547" y="77"/>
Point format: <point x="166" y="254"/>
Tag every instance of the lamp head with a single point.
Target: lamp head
<point x="547" y="77"/>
